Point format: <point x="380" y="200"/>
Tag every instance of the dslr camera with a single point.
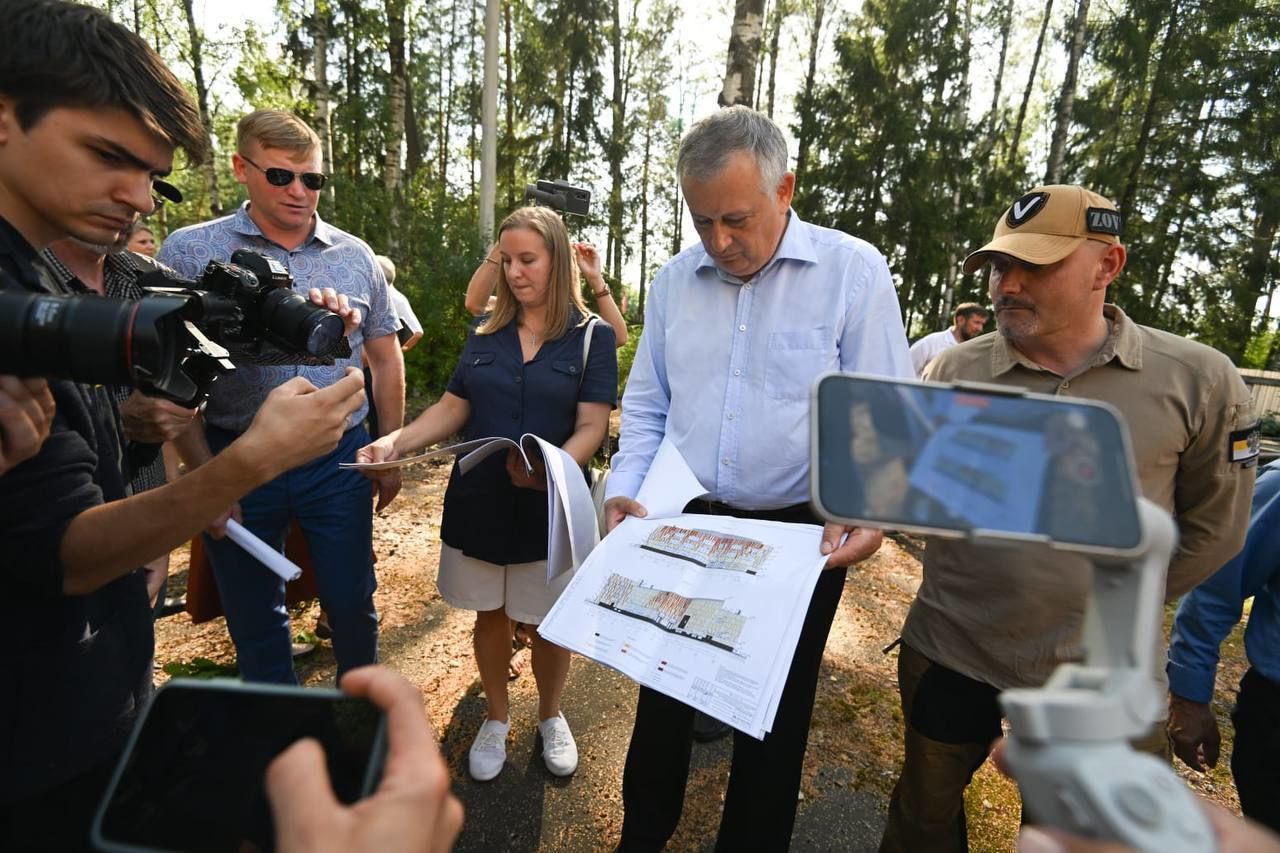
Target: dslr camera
<point x="176" y="340"/>
<point x="561" y="196"/>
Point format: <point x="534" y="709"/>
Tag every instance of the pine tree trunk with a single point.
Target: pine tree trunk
<point x="1031" y="82"/>
<point x="1067" y="100"/>
<point x="744" y="50"/>
<point x="447" y="98"/>
<point x="775" y="30"/>
<point x="392" y="176"/>
<point x="320" y="70"/>
<point x="644" y="208"/>
<point x="805" y="138"/>
<point x="1149" y="115"/>
<point x="202" y="100"/>
<point x="510" y="105"/>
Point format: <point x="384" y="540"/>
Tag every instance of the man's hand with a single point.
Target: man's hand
<point x="522" y="478"/>
<point x="1194" y="731"/>
<point x="153" y="420"/>
<point x="412" y="810"/>
<point x="297" y="423"/>
<point x="616" y="509"/>
<point x="218" y="527"/>
<point x="338" y="304"/>
<point x="26" y="416"/>
<point x="861" y="543"/>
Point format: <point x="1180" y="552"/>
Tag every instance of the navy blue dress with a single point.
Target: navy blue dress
<point x="485" y="516"/>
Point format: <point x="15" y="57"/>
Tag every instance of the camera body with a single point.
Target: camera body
<point x="561" y="196"/>
<point x="179" y="338"/>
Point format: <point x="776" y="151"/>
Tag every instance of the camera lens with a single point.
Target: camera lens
<point x="90" y="339"/>
<point x="301" y="325"/>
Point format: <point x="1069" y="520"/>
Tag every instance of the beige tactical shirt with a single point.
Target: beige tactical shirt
<point x="1008" y="616"/>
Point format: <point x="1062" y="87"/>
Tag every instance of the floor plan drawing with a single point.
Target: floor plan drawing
<point x="705" y="620"/>
<point x="709" y="549"/>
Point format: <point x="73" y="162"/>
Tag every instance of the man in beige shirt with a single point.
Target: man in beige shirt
<point x="986" y="619"/>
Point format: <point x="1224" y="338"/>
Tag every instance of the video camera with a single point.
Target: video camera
<point x="561" y="196"/>
<point x="179" y="338"/>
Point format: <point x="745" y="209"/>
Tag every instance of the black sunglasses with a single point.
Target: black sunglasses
<point x="284" y="177"/>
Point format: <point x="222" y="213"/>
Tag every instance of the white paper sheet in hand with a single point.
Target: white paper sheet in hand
<point x="572" y="532"/>
<point x="706" y="609"/>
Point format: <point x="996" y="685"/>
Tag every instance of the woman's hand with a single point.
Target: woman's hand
<point x="520" y="477"/>
<point x="589" y="263"/>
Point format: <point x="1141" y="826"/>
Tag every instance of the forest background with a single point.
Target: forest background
<point x="913" y="124"/>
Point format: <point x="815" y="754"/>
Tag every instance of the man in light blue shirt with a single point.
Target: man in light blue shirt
<point x="278" y="160"/>
<point x="736" y="330"/>
<point x="1205" y="617"/>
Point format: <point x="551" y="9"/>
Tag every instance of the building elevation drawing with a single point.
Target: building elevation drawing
<point x="709" y="549"/>
<point x="703" y="619"/>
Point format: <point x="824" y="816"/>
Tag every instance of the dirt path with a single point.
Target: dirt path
<point x="854" y="743"/>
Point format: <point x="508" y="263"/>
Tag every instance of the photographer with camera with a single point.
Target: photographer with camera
<point x="81" y="269"/>
<point x="277" y="159"/>
<point x="89" y="118"/>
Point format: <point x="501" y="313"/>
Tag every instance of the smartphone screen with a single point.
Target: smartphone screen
<point x="193" y="775"/>
<point x="957" y="461"/>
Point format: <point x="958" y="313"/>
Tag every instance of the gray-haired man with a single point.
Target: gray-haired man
<point x="736" y="329"/>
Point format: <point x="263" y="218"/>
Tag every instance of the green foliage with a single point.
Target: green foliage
<point x="626" y="355"/>
<point x="200" y="667"/>
<point x="1258" y="353"/>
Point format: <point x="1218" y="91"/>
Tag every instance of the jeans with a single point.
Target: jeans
<point x="335" y="511"/>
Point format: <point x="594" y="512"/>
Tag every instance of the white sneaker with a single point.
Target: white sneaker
<point x="489" y="750"/>
<point x="558" y="748"/>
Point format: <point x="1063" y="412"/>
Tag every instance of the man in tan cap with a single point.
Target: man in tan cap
<point x="986" y="619"/>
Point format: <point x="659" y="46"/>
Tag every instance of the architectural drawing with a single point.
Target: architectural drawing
<point x="709" y="549"/>
<point x="703" y="619"/>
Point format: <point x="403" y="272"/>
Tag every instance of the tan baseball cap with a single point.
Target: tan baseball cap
<point x="1049" y="223"/>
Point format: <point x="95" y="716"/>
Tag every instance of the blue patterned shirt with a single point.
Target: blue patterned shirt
<point x="328" y="258"/>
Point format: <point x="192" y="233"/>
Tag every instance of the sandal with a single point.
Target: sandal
<point x="514" y="668"/>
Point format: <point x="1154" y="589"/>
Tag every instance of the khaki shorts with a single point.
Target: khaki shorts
<point x="521" y="588"/>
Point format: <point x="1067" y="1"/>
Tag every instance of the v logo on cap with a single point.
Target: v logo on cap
<point x="1026" y="207"/>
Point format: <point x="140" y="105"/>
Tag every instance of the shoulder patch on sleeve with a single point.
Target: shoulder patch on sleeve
<point x="1243" y="444"/>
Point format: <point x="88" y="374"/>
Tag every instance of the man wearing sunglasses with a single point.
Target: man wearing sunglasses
<point x="277" y="160"/>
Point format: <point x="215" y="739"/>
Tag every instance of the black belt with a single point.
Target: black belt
<point x="797" y="513"/>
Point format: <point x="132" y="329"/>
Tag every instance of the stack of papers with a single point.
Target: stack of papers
<point x="706" y="609"/>
<point x="572" y="527"/>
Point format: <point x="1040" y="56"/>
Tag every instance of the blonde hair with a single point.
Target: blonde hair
<point x="563" y="291"/>
<point x="388" y="268"/>
<point x="276" y="129"/>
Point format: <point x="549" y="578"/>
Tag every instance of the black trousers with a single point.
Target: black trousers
<point x="1255" y="757"/>
<point x="764" y="778"/>
<point x="58" y="819"/>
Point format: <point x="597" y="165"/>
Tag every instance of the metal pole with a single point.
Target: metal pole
<point x="489" y="123"/>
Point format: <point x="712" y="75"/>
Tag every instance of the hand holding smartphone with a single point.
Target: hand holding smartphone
<point x="193" y="774"/>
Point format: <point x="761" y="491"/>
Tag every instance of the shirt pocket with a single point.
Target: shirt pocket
<point x="568" y="367"/>
<point x="795" y="358"/>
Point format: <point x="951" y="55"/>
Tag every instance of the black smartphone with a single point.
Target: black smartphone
<point x="977" y="462"/>
<point x="193" y="773"/>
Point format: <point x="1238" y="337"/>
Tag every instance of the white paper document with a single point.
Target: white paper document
<point x="264" y="553"/>
<point x="704" y="608"/>
<point x="572" y="530"/>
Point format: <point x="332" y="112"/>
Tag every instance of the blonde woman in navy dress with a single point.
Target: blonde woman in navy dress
<point x="521" y="371"/>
